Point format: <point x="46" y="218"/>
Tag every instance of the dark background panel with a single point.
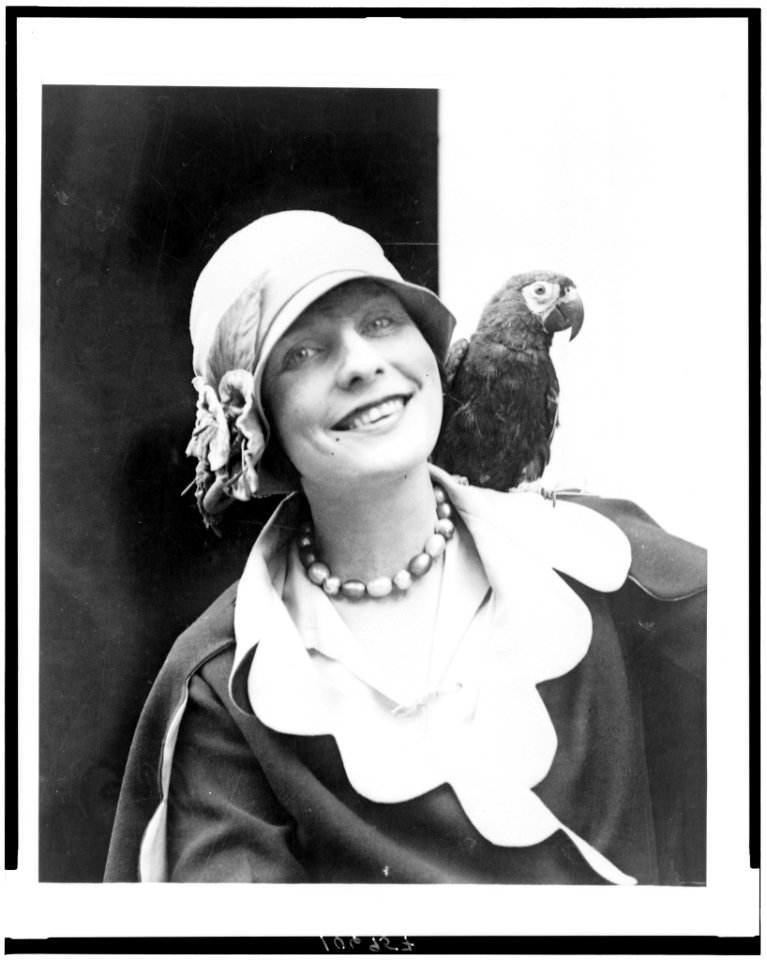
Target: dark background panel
<point x="139" y="188"/>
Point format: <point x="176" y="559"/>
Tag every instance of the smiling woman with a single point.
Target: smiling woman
<point x="353" y="366"/>
<point x="415" y="680"/>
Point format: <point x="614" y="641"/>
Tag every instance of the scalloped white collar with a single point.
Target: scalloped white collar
<point x="299" y="669"/>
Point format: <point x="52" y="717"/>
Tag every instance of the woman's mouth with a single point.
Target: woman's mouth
<point x="372" y="413"/>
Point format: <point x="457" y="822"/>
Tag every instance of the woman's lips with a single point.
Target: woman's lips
<point x="372" y="413"/>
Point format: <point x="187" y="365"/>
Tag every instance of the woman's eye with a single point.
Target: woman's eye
<point x="380" y="324"/>
<point x="296" y="356"/>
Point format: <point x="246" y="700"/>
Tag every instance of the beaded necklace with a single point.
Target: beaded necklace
<point x="355" y="589"/>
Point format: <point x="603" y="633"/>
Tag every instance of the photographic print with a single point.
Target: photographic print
<point x="381" y="364"/>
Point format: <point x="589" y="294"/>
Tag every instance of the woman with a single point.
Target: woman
<point x="414" y="680"/>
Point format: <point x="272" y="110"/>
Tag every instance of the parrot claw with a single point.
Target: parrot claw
<point x="528" y="486"/>
<point x="462" y="481"/>
<point x="535" y="486"/>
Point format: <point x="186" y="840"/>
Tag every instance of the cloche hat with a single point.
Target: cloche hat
<point x="253" y="288"/>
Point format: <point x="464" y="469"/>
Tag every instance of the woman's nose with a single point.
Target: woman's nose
<point x="359" y="360"/>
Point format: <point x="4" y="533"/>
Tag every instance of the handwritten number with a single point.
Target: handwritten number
<point x="376" y="944"/>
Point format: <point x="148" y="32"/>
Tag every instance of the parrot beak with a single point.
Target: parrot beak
<point x="568" y="314"/>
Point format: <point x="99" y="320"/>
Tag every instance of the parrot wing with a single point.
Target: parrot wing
<point x="552" y="407"/>
<point x="541" y="452"/>
<point x="500" y="414"/>
<point x="454" y="360"/>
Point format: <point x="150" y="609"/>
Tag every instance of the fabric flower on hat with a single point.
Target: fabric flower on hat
<point x="228" y="437"/>
<point x="237" y="398"/>
<point x="228" y="441"/>
<point x="210" y="437"/>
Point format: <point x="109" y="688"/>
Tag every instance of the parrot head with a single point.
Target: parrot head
<point x="553" y="298"/>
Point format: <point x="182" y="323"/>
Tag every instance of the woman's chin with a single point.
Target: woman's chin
<point x="370" y="463"/>
<point x="390" y="448"/>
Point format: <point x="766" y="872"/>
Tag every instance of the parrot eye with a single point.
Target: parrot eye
<point x="541" y="295"/>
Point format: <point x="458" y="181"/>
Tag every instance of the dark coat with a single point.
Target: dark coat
<point x="249" y="804"/>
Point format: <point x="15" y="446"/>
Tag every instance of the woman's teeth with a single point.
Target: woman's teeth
<point x="373" y="414"/>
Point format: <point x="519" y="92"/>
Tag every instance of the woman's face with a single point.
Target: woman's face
<point x="352" y="389"/>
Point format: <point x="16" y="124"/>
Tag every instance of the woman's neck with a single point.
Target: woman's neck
<point x="369" y="530"/>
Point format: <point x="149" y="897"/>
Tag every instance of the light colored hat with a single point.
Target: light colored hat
<point x="254" y="287"/>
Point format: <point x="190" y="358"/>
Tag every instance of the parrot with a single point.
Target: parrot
<point x="502" y="392"/>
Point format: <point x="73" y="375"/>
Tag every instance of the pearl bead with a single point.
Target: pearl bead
<point x="420" y="564"/>
<point x="435" y="545"/>
<point x="318" y="573"/>
<point x="445" y="527"/>
<point x="380" y="587"/>
<point x="353" y="589"/>
<point x="307" y="556"/>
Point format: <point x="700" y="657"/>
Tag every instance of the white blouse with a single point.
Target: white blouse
<point x="505" y="623"/>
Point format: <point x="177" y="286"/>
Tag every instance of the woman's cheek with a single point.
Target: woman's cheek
<point x="301" y="426"/>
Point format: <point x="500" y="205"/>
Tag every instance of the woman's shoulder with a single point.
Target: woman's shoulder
<point x="663" y="565"/>
<point x="210" y="636"/>
<point x="206" y="645"/>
